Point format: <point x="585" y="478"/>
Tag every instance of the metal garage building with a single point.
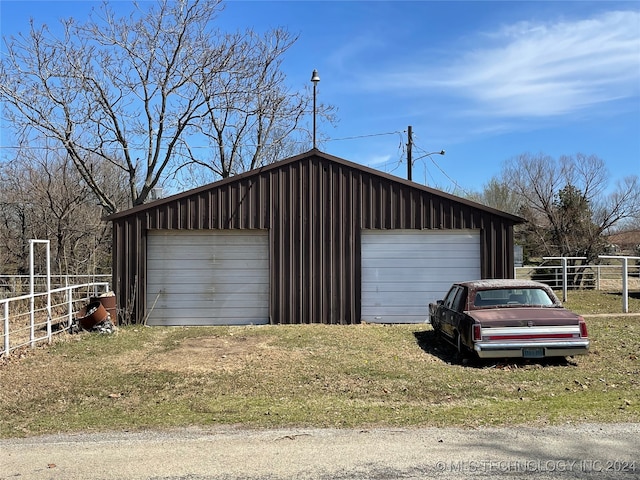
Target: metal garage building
<point x="310" y="239"/>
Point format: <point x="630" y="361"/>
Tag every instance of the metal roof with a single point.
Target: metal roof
<point x="316" y="153"/>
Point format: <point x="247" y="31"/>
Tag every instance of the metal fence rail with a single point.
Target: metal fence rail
<point x="618" y="278"/>
<point x="598" y="277"/>
<point x="17" y="285"/>
<point x="34" y="318"/>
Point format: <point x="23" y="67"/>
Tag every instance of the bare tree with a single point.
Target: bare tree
<point x="244" y="123"/>
<point x="43" y="197"/>
<point x="499" y="195"/>
<point x="567" y="204"/>
<point x="15" y="225"/>
<point x="141" y="92"/>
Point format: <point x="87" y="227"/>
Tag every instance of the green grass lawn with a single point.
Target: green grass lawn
<point x="313" y="376"/>
<point x="592" y="302"/>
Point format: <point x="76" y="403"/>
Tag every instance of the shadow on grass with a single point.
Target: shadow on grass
<point x="433" y="344"/>
<point x="635" y="295"/>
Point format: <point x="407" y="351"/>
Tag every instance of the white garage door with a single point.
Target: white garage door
<point x="404" y="270"/>
<point x="207" y="277"/>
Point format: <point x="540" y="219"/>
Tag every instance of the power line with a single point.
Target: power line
<point x="450" y="179"/>
<point x="396" y="164"/>
<point x="363" y="136"/>
<point x="430" y="155"/>
<point x="355" y="137"/>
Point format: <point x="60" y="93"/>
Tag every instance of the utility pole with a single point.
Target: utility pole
<point x="409" y="156"/>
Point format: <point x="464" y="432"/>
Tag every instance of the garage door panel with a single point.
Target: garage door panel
<point x="398" y="312"/>
<point x="184" y="288"/>
<point x="233" y="252"/>
<point x="400" y="298"/>
<point x="194" y="301"/>
<point x="247" y="292"/>
<point x="414" y="272"/>
<point x="419" y="261"/>
<point x="249" y="281"/>
<point x="403" y="271"/>
<point x="172" y="312"/>
<point x="426" y="256"/>
<point x="202" y="319"/>
<point x="417" y="237"/>
<point x="439" y="264"/>
<point x="209" y="277"/>
<point x="164" y="238"/>
<point x="404" y="251"/>
<point x="413" y="287"/>
<point x="177" y="264"/>
<point x="202" y="237"/>
<point x="237" y="275"/>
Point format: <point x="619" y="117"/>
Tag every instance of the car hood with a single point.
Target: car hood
<point x="524" y="316"/>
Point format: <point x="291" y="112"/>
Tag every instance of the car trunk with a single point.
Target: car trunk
<point x="523" y="317"/>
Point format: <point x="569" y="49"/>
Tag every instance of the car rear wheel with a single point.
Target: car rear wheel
<point x="456" y="342"/>
<point x="462" y="352"/>
<point x="435" y="324"/>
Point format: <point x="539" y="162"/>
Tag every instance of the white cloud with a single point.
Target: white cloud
<point x="358" y="46"/>
<point x="376" y="160"/>
<point x="536" y="70"/>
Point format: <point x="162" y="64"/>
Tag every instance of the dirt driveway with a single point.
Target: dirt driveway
<point x="567" y="452"/>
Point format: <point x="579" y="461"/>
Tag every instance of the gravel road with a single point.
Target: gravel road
<point x="607" y="451"/>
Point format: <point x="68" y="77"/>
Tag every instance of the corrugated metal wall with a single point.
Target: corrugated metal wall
<point x="314" y="207"/>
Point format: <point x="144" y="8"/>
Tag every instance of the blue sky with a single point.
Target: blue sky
<point x="485" y="81"/>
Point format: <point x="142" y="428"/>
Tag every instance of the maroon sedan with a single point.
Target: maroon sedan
<point x="508" y="318"/>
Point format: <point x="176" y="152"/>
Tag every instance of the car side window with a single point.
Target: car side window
<point x="539" y="297"/>
<point x="448" y="300"/>
<point x="459" y="300"/>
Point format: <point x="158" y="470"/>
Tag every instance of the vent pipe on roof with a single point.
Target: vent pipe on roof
<point x="156" y="193"/>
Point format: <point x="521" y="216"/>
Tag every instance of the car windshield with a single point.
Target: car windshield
<point x="507" y="297"/>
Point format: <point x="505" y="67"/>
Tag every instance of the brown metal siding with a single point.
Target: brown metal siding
<point x="314" y="209"/>
<point x="129" y="267"/>
<point x="313" y="277"/>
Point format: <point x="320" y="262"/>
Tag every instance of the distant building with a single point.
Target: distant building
<point x="625" y="243"/>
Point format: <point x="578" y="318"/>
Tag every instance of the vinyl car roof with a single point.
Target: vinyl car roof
<point x="501" y="283"/>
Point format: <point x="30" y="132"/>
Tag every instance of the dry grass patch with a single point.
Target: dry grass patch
<point x="309" y="375"/>
<point x="208" y="354"/>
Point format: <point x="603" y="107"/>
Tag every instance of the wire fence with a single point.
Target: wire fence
<point x="30" y="319"/>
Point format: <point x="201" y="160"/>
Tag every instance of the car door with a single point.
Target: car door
<point x="460" y="321"/>
<point x="447" y="313"/>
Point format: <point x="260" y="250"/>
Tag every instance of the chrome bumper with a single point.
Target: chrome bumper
<point x="516" y="349"/>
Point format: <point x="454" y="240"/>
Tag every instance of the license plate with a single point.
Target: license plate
<point x="532" y="352"/>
